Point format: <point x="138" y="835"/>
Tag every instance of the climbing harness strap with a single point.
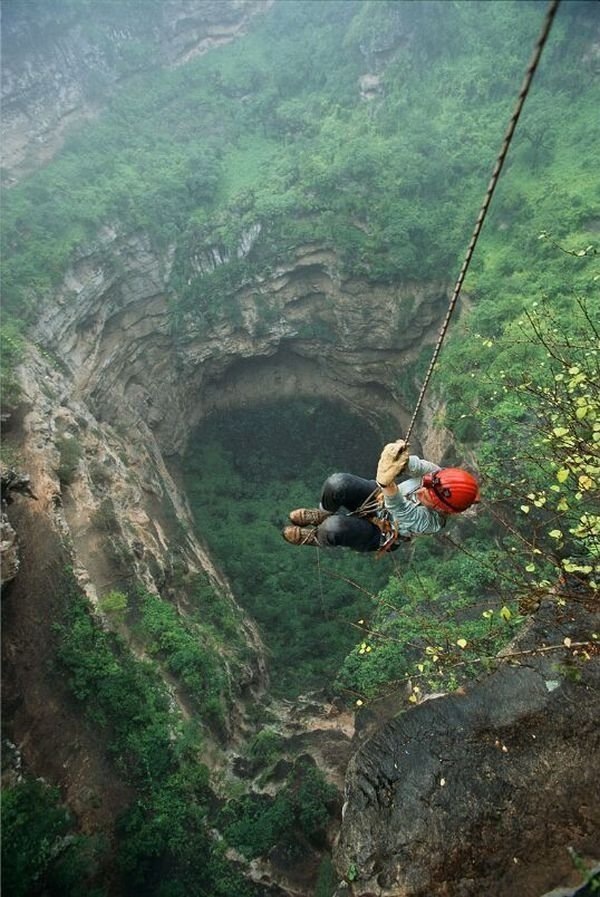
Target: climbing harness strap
<point x="374" y="510"/>
<point x="530" y="72"/>
<point x="388" y="528"/>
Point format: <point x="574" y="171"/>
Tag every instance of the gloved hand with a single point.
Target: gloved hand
<point x="392" y="462"/>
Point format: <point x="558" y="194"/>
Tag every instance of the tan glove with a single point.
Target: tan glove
<point x="392" y="462"/>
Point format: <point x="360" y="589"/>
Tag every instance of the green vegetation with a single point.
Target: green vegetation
<point x="276" y="134"/>
<point x="39" y="845"/>
<point x="70" y="455"/>
<point x="188" y="655"/>
<point x="169" y="825"/>
<point x="117" y="692"/>
<point x="301" y="810"/>
<point x="154" y="750"/>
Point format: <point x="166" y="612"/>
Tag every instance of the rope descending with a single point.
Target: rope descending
<point x="530" y="72"/>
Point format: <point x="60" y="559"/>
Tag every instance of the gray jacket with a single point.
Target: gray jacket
<point x="413" y="518"/>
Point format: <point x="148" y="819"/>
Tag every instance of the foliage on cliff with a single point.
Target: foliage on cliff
<point x="166" y="838"/>
<point x="537" y="533"/>
<point x="276" y="133"/>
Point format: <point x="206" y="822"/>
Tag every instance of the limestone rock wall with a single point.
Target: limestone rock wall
<point x="112" y="390"/>
<point x="303" y="331"/>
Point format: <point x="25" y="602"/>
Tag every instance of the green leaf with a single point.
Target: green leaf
<point x="562" y="474"/>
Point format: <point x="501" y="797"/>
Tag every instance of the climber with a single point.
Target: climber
<point x="377" y="515"/>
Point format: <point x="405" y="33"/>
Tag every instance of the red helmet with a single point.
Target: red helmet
<point x="451" y="489"/>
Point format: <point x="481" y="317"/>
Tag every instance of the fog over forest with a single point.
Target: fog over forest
<point x="231" y="235"/>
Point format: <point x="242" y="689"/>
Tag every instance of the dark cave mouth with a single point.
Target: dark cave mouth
<point x="286" y="438"/>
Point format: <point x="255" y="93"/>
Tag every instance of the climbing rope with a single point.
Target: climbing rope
<point x="530" y="72"/>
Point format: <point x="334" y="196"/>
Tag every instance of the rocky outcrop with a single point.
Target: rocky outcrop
<point x="13" y="483"/>
<point x="484" y="792"/>
<point x="60" y="68"/>
<point x="107" y="494"/>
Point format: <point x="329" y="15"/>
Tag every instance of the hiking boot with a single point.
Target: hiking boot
<point x="308" y="516"/>
<point x="299" y="535"/>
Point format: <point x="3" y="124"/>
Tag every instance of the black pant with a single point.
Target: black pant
<point x="346" y="491"/>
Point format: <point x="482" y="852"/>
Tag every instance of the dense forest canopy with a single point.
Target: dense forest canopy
<point x="273" y="130"/>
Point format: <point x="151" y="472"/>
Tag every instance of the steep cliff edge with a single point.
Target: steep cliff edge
<point x="488" y="791"/>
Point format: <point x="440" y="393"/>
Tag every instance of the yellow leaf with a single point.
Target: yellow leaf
<point x="567" y="642"/>
<point x="585" y="482"/>
<point x="555" y="534"/>
<point x="581" y="412"/>
<point x="505" y="613"/>
<point x="560" y="431"/>
<point x="530" y="568"/>
<point x="562" y="474"/>
<point x="413" y="699"/>
<point x="462" y="643"/>
<point x="359" y="703"/>
<point x="525" y="509"/>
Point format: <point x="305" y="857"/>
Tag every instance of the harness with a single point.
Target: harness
<point x="374" y="510"/>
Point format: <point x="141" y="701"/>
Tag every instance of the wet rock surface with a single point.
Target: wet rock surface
<point x="484" y="792"/>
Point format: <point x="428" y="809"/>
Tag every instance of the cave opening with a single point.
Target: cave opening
<point x="244" y="470"/>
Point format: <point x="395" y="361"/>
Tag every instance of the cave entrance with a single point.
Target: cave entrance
<point x="244" y="471"/>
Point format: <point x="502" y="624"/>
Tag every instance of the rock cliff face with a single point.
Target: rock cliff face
<point x="57" y="71"/>
<point x="301" y="332"/>
<point x="488" y="791"/>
